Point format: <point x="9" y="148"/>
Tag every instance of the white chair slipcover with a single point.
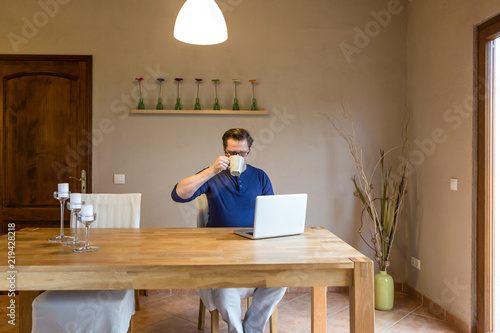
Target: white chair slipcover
<point x="201" y="211"/>
<point x="114" y="210"/>
<point x="201" y="221"/>
<point x="92" y="311"/>
<point x="83" y="311"/>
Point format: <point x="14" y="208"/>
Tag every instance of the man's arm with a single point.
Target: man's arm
<point x="188" y="186"/>
<point x="267" y="187"/>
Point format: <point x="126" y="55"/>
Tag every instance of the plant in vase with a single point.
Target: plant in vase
<point x="178" y="105"/>
<point x="197" y="105"/>
<point x="141" y="105"/>
<point x="253" y="107"/>
<point x="382" y="210"/>
<point x="159" y="105"/>
<point x="236" y="106"/>
<point x="216" y="104"/>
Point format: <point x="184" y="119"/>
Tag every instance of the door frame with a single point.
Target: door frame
<point x="486" y="32"/>
<point x="83" y="59"/>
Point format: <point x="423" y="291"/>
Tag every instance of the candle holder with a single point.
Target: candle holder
<point x="159" y="105"/>
<point x="75" y="211"/>
<point x="141" y="105"/>
<point x="216" y="104"/>
<point x="236" y="106"/>
<point x="62" y="200"/>
<point x="87" y="221"/>
<point x="253" y="107"/>
<point x="178" y="105"/>
<point x="197" y="105"/>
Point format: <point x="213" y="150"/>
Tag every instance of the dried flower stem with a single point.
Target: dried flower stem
<point x="385" y="219"/>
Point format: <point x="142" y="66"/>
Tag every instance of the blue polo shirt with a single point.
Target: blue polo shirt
<point x="231" y="200"/>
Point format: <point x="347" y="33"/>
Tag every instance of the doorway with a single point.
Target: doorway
<point x="45" y="126"/>
<point x="495" y="105"/>
<point x="488" y="175"/>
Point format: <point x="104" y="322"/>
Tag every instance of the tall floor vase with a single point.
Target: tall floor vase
<point x="384" y="291"/>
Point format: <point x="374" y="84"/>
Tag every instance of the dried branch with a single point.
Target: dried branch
<point x="384" y="219"/>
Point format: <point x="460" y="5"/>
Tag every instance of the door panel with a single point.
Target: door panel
<point x="486" y="174"/>
<point x="46" y="113"/>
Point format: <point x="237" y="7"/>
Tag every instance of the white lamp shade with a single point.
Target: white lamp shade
<point x="200" y="22"/>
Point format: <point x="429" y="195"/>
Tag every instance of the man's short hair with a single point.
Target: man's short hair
<point x="238" y="134"/>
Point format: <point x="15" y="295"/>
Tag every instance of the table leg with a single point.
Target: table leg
<point x="318" y="310"/>
<point x="362" y="302"/>
<point x="25" y="300"/>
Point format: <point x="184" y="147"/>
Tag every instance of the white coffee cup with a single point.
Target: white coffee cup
<point x="236" y="164"/>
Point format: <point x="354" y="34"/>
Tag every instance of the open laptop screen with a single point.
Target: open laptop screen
<point x="278" y="215"/>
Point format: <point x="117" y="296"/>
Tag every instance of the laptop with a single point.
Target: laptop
<point x="277" y="216"/>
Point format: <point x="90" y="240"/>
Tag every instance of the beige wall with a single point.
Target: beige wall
<point x="441" y="95"/>
<point x="290" y="47"/>
<point x="293" y="48"/>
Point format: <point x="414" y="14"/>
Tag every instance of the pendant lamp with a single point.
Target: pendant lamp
<point x="200" y="22"/>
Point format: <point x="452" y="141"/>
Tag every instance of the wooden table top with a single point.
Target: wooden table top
<point x="178" y="258"/>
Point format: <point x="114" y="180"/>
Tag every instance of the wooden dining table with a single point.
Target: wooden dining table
<point x="185" y="258"/>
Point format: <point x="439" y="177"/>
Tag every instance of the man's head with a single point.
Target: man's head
<point x="237" y="141"/>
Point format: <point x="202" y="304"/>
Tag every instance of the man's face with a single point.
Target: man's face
<point x="235" y="147"/>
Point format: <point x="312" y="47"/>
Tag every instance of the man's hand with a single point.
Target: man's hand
<point x="220" y="164"/>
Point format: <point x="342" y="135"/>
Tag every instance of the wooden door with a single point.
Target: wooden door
<point x="45" y="126"/>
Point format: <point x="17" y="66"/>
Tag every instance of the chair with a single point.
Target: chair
<point x="115" y="211"/>
<point x="95" y="311"/>
<point x="206" y="301"/>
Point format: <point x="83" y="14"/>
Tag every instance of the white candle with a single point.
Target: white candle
<point x="63" y="190"/>
<point x="75" y="198"/>
<point x="87" y="212"/>
<point x="75" y="201"/>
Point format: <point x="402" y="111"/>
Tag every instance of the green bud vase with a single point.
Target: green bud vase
<point x="141" y="106"/>
<point x="384" y="291"/>
<point x="178" y="105"/>
<point x="197" y="105"/>
<point x="236" y="105"/>
<point x="254" y="105"/>
<point x="159" y="105"/>
<point x="216" y="104"/>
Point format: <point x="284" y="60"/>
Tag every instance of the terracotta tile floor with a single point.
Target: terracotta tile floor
<point x="164" y="313"/>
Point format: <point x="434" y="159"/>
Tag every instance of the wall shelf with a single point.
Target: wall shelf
<point x="205" y="111"/>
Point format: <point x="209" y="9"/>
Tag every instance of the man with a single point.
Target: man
<point x="231" y="203"/>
